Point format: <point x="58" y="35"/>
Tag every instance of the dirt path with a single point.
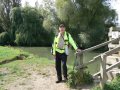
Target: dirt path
<point x="44" y="80"/>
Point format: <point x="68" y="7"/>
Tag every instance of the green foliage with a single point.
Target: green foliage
<point x="1" y="29"/>
<point x="114" y="85"/>
<point x="28" y="29"/>
<point x="88" y="18"/>
<point x="29" y="26"/>
<point x="5" y="8"/>
<point x="75" y="78"/>
<point x="97" y="88"/>
<point x="87" y="77"/>
<point x="8" y="53"/>
<point x="48" y="11"/>
<point x="4" y="38"/>
<point x="19" y="69"/>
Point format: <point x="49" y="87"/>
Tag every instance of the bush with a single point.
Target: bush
<point x="97" y="88"/>
<point x="75" y="78"/>
<point x="4" y="38"/>
<point x="114" y="85"/>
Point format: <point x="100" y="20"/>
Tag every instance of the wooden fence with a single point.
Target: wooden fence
<point x="103" y="70"/>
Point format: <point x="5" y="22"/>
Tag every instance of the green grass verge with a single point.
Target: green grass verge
<point x="9" y="72"/>
<point x="8" y="53"/>
<point x="20" y="68"/>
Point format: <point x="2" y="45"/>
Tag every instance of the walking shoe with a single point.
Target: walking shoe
<point x="58" y="81"/>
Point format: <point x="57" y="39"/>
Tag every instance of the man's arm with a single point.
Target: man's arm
<point x="72" y="42"/>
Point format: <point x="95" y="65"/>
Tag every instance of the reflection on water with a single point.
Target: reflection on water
<point x="45" y="52"/>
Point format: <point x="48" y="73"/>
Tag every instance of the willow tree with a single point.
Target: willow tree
<point x="47" y="9"/>
<point x="5" y="8"/>
<point x="86" y="18"/>
<point x="27" y="26"/>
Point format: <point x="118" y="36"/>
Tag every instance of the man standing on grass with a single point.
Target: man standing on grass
<point x="60" y="51"/>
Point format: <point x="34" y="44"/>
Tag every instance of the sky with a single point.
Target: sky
<point x="31" y="2"/>
<point x="115" y="4"/>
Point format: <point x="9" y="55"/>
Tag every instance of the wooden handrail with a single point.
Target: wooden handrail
<point x="91" y="61"/>
<point x="100" y="45"/>
<point x="103" y="57"/>
<point x="112" y="51"/>
<point x="112" y="66"/>
<point x="98" y="56"/>
<point x="109" y="68"/>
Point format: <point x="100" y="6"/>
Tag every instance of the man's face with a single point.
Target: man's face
<point x="62" y="29"/>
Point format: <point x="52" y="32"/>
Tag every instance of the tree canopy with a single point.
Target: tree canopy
<point x="87" y="17"/>
<point x="5" y="9"/>
<point x="27" y="26"/>
<point x="86" y="20"/>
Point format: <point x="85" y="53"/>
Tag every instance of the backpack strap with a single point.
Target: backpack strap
<point x="68" y="38"/>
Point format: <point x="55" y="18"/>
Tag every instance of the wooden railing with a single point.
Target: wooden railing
<point x="103" y="70"/>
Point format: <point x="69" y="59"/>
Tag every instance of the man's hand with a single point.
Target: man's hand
<point x="54" y="56"/>
<point x="78" y="51"/>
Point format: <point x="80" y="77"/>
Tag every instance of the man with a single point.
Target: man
<point x="61" y="41"/>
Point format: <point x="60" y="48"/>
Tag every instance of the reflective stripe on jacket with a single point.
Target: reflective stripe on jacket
<point x="68" y="39"/>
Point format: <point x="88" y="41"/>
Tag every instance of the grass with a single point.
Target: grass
<point x="14" y="70"/>
<point x="8" y="53"/>
<point x="20" y="68"/>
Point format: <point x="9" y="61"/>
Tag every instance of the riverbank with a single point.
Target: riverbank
<point x="30" y="73"/>
<point x="45" y="52"/>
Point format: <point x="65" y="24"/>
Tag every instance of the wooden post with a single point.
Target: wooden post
<point x="103" y="71"/>
<point x="81" y="63"/>
<point x="81" y="59"/>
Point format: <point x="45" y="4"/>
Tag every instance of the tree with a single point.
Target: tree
<point x="5" y="8"/>
<point x="86" y="17"/>
<point x="27" y="25"/>
<point x="51" y="20"/>
<point x="1" y="29"/>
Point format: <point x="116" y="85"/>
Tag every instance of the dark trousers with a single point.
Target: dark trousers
<point x="61" y="58"/>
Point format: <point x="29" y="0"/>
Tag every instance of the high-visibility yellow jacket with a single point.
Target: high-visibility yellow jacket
<point x="67" y="39"/>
